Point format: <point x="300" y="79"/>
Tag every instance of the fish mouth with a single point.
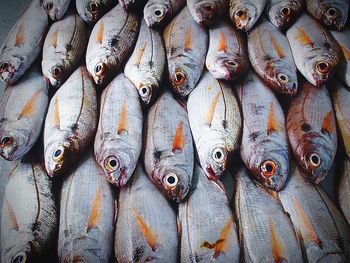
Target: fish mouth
<point x="8" y="147"/>
<point x="121" y="181"/>
<point x="212" y="176"/>
<point x="145" y="92"/>
<point x="6" y="71"/>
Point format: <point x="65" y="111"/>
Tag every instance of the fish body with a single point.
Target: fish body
<point x="145" y="67"/>
<point x="131" y="4"/>
<point x="343" y="189"/>
<point x="227" y="54"/>
<point x="146" y="226"/>
<point x="264" y="147"/>
<point x="22" y="113"/>
<point x="23" y="44"/>
<point x="168" y="148"/>
<point x="316" y="53"/>
<point x="110" y="43"/>
<point x="118" y="139"/>
<point x="92" y="10"/>
<point x="186" y="45"/>
<point x="216" y="123"/>
<point x="207" y="12"/>
<point x="70" y="123"/>
<point x="63" y="49"/>
<point x="56" y="9"/>
<point x="312" y="131"/>
<point x="87" y="215"/>
<point x="272" y="59"/>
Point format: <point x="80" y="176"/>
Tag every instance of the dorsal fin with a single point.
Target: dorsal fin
<point x="95" y="212"/>
<point x="146" y="231"/>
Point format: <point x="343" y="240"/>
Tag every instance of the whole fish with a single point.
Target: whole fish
<point x="146" y="226"/>
<point x="64" y="47"/>
<point x="282" y="13"/>
<point x="168" y="154"/>
<point x="322" y="234"/>
<point x="245" y="13"/>
<point x="208" y="233"/>
<point x="158" y="13"/>
<point x="131" y="4"/>
<point x="216" y="124"/>
<point x="272" y="59"/>
<point x="341" y="105"/>
<point x="343" y="38"/>
<point x="264" y="147"/>
<point x="186" y="45"/>
<point x="227" y="54"/>
<point x="146" y="65"/>
<point x="331" y="13"/>
<point x="92" y="10"/>
<point x="110" y="43"/>
<point x="118" y="140"/>
<point x="56" y="8"/>
<point x="343" y="189"/>
<point x="316" y="53"/>
<point x="29" y="216"/>
<point x="70" y="123"/>
<point x="22" y="113"/>
<point x="87" y="215"/>
<point x="207" y="12"/>
<point x="23" y="44"/>
<point x="312" y="131"/>
<point x="266" y="232"/>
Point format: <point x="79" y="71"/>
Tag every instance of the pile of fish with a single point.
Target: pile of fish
<point x="176" y="131"/>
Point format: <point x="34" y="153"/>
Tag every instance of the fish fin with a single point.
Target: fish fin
<point x="12" y="215"/>
<point x="123" y="125"/>
<point x="146" y="231"/>
<point x="100" y="32"/>
<point x="346" y="52"/>
<point x="303" y="38"/>
<point x="277" y="46"/>
<point x="222" y="43"/>
<point x="54" y="38"/>
<point x="278" y="250"/>
<point x="222" y="245"/>
<point x="140" y="54"/>
<point x="29" y="107"/>
<point x="55" y="116"/>
<point x="212" y="107"/>
<point x="188" y="38"/>
<point x="272" y="122"/>
<point x="95" y="212"/>
<point x="20" y="36"/>
<point x="179" y="140"/>
<point x="328" y="122"/>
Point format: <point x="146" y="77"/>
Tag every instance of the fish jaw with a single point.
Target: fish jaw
<point x="10" y="68"/>
<point x="14" y="142"/>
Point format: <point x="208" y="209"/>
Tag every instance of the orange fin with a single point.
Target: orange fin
<point x="272" y="122"/>
<point x="100" y="32"/>
<point x="179" y="140"/>
<point x="277" y="46"/>
<point x="276" y="243"/>
<point x="95" y="212"/>
<point x="11" y="214"/>
<point x="29" y="107"/>
<point x="328" y="122"/>
<point x="123" y="125"/>
<point x="55" y="116"/>
<point x="54" y="38"/>
<point x="222" y="43"/>
<point x="188" y="38"/>
<point x="140" y="54"/>
<point x="146" y="231"/>
<point x="212" y="107"/>
<point x="345" y="51"/>
<point x="20" y="36"/>
<point x="303" y="38"/>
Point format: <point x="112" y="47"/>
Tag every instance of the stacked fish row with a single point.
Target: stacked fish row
<point x="159" y="108"/>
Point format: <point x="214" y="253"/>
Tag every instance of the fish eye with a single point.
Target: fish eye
<point x="111" y="164"/>
<point x="7" y="140"/>
<point x="4" y="66"/>
<point x="92" y="8"/>
<point x="179" y="78"/>
<point x="56" y="72"/>
<point x="20" y="258"/>
<point x="100" y="68"/>
<point x="231" y="64"/>
<point x="208" y="8"/>
<point x="322" y="67"/>
<point x="218" y="155"/>
<point x="332" y="12"/>
<point x="158" y="12"/>
<point x="314" y="160"/>
<point x="282" y="78"/>
<point x="145" y="91"/>
<point x="268" y="168"/>
<point x="58" y="154"/>
<point x="49" y="6"/>
<point x="285" y="12"/>
<point x="170" y="181"/>
<point x="241" y="14"/>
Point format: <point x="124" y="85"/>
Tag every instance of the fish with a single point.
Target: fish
<point x="22" y="113"/>
<point x="316" y="53"/>
<point x="131" y="4"/>
<point x="283" y="13"/>
<point x="341" y="105"/>
<point x="168" y="154"/>
<point x="92" y="10"/>
<point x="23" y="43"/>
<point x="186" y="44"/>
<point x="343" y="189"/>
<point x="208" y="233"/>
<point x="70" y="123"/>
<point x="207" y="12"/>
<point x="56" y="9"/>
<point x="146" y="228"/>
<point x="264" y="148"/>
<point x="245" y="13"/>
<point x="216" y="124"/>
<point x="111" y="40"/>
<point x="331" y="14"/>
<point x="145" y="68"/>
<point x="343" y="38"/>
<point x="63" y="49"/>
<point x="319" y="230"/>
<point x="272" y="59"/>
<point x="266" y="231"/>
<point x="312" y="131"/>
<point x="227" y="54"/>
<point x="118" y="140"/>
<point x="87" y="214"/>
<point x="29" y="218"/>
<point x="158" y="13"/>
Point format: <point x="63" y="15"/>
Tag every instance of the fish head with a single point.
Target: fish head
<point x="101" y="68"/>
<point x="55" y="9"/>
<point x="228" y="68"/>
<point x="11" y="67"/>
<point x="58" y="157"/>
<point x="182" y="78"/>
<point x="13" y="141"/>
<point x="19" y="251"/>
<point x="93" y="10"/>
<point x="282" y="14"/>
<point x="206" y="12"/>
<point x="54" y="72"/>
<point x="333" y="16"/>
<point x="322" y="67"/>
<point x="154" y="13"/>
<point x="244" y="16"/>
<point x="146" y="89"/>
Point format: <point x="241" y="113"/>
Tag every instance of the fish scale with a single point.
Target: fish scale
<point x="343" y="189"/>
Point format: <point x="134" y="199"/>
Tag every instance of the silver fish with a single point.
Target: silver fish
<point x="146" y="226"/>
<point x="216" y="124"/>
<point x="118" y="139"/>
<point x="266" y="232"/>
<point x="227" y="54"/>
<point x="56" y="8"/>
<point x="22" y="113"/>
<point x="64" y="47"/>
<point x="92" y="10"/>
<point x="168" y="148"/>
<point x="245" y="13"/>
<point x="316" y="53"/>
<point x="110" y="43"/>
<point x="87" y="215"/>
<point x="157" y="13"/>
<point x="343" y="189"/>
<point x="147" y="63"/>
<point x="70" y="123"/>
<point x="23" y="44"/>
<point x="207" y="12"/>
<point x="29" y="219"/>
<point x="186" y="45"/>
<point x="131" y="4"/>
<point x="208" y="232"/>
